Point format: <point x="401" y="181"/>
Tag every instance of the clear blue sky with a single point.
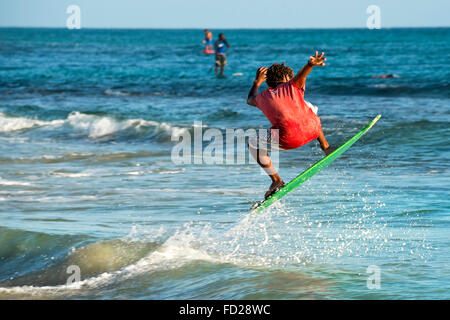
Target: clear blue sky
<point x="224" y="14"/>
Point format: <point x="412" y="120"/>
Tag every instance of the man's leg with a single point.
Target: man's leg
<point x="262" y="157"/>
<point x="324" y="143"/>
<point x="216" y="65"/>
<point x="222" y="65"/>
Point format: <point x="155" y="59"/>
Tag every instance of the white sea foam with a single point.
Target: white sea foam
<point x="254" y="241"/>
<point x="9" y="124"/>
<point x="170" y="171"/>
<point x="173" y="253"/>
<point x="111" y="92"/>
<point x="13" y="183"/>
<point x="172" y="130"/>
<point x="72" y="175"/>
<point x="61" y="199"/>
<point x="136" y="173"/>
<point x="101" y="126"/>
<point x="93" y="125"/>
<point x="97" y="126"/>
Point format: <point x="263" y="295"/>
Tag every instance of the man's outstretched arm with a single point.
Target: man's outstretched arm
<point x="314" y="61"/>
<point x="259" y="79"/>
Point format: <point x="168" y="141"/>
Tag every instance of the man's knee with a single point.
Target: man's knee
<point x="264" y="159"/>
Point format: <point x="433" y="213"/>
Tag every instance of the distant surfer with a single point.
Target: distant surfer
<point x="221" y="46"/>
<point x="385" y="76"/>
<point x="208" y="42"/>
<point x="294" y="120"/>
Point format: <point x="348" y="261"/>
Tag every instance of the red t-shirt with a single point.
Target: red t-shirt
<point x="286" y="109"/>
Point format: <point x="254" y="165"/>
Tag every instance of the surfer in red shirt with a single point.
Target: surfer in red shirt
<point x="294" y="120"/>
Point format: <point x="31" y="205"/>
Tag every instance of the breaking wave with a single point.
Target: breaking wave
<point x="9" y="124"/>
<point x="94" y="126"/>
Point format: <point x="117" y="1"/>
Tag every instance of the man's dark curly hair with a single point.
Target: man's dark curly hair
<point x="276" y="74"/>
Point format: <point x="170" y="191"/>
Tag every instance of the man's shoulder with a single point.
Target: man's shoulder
<point x="290" y="88"/>
<point x="262" y="96"/>
<point x="281" y="87"/>
<point x="263" y="93"/>
<point x="292" y="84"/>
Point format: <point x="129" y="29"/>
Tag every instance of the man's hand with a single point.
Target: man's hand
<point x="259" y="79"/>
<point x="314" y="61"/>
<point x="260" y="76"/>
<point x="317" y="60"/>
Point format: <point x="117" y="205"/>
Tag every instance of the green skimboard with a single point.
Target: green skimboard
<point x="311" y="171"/>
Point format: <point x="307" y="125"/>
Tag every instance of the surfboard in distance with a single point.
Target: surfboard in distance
<point x="311" y="171"/>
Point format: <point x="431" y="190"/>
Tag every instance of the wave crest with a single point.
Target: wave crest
<point x="95" y="126"/>
<point x="9" y="124"/>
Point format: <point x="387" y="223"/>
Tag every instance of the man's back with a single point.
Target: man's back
<point x="288" y="112"/>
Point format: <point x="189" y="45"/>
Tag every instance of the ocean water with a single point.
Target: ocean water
<point x="87" y="119"/>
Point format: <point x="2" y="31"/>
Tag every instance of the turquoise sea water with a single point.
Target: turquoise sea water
<point x="87" y="180"/>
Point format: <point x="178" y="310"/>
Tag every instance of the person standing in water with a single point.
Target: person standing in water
<point x="208" y="42"/>
<point x="294" y="120"/>
<point x="221" y="46"/>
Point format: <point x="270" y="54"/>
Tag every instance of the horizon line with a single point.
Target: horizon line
<point x="215" y="28"/>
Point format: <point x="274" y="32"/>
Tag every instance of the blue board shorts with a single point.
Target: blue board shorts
<point x="221" y="60"/>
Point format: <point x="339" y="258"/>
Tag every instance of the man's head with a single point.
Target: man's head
<point x="221" y="36"/>
<point x="278" y="73"/>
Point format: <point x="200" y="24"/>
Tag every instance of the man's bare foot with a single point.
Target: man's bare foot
<point x="274" y="187"/>
<point x="329" y="150"/>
